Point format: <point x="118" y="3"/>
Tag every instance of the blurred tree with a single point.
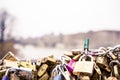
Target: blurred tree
<point x="5" y="23"/>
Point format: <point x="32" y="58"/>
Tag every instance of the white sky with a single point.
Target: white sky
<point x="39" y="17"/>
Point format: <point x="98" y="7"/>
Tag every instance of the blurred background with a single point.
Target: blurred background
<point x="38" y="28"/>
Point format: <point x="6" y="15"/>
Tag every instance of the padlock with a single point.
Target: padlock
<point x="10" y="56"/>
<point x="76" y="52"/>
<point x="6" y="76"/>
<point x="76" y="57"/>
<point x="84" y="67"/>
<point x="84" y="78"/>
<point x="112" y="55"/>
<point x="27" y="64"/>
<point x="44" y="77"/>
<point x="114" y="67"/>
<point x="68" y="53"/>
<point x="42" y="69"/>
<point x="111" y="78"/>
<point x="9" y="63"/>
<point x="97" y="69"/>
<point x="103" y="63"/>
<point x="70" y="64"/>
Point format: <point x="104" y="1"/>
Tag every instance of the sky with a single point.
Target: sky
<point x="34" y="18"/>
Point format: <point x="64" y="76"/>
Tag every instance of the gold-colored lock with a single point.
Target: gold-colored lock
<point x="43" y="68"/>
<point x="27" y="64"/>
<point x="76" y="57"/>
<point x="76" y="51"/>
<point x="112" y="55"/>
<point x="68" y="53"/>
<point x="97" y="69"/>
<point x="103" y="63"/>
<point x="84" y="67"/>
<point x="9" y="63"/>
<point x="10" y="56"/>
<point x="111" y="78"/>
<point x="84" y="78"/>
<point x="44" y="77"/>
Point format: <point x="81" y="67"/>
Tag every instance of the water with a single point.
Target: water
<point x="31" y="52"/>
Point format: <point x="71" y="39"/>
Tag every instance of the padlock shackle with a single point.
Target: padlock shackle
<point x="116" y="46"/>
<point x="114" y="61"/>
<point x="63" y="58"/>
<point x="62" y="69"/>
<point x="80" y="59"/>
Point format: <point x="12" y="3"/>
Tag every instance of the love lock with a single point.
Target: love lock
<point x="102" y="62"/>
<point x="70" y="64"/>
<point x="42" y="69"/>
<point x="84" y="67"/>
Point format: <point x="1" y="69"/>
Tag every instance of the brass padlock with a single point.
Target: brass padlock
<point x="76" y="57"/>
<point x="10" y="56"/>
<point x="111" y="78"/>
<point x="76" y="51"/>
<point x="68" y="53"/>
<point x="9" y="63"/>
<point x="97" y="69"/>
<point x="43" y="68"/>
<point x="103" y="63"/>
<point x="112" y="55"/>
<point x="27" y="64"/>
<point x="44" y="77"/>
<point x="84" y="78"/>
<point x="84" y="67"/>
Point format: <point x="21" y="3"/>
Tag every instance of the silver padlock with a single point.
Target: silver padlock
<point x="64" y="72"/>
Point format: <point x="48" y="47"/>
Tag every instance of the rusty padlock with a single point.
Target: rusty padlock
<point x="84" y="67"/>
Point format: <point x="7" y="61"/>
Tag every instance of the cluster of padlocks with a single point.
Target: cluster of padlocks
<point x="87" y="64"/>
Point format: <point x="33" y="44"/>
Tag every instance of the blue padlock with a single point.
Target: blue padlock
<point x="5" y="77"/>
